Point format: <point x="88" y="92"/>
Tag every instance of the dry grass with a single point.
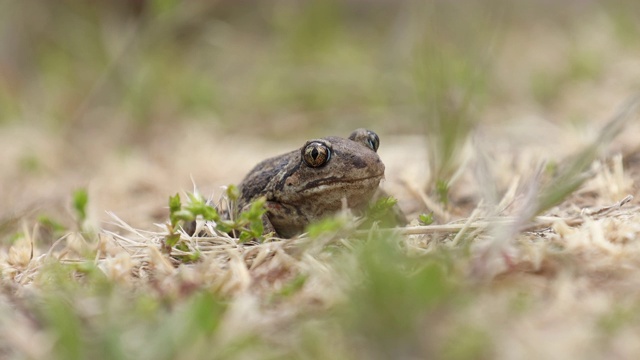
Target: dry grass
<point x="567" y="279"/>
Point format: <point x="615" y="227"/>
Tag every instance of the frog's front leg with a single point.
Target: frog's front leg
<point x="266" y="223"/>
<point x="285" y="220"/>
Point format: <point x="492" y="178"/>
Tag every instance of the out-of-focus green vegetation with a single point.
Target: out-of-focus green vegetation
<point x="128" y="325"/>
<point x="398" y="306"/>
<point x="301" y="65"/>
<point x="273" y="68"/>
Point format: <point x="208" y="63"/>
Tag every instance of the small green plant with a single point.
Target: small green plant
<point x="426" y="219"/>
<point x="180" y="215"/>
<point x="442" y="190"/>
<point x="328" y="225"/>
<point x="383" y="212"/>
<point x="382" y="207"/>
<point x="397" y="298"/>
<point x="67" y="310"/>
<point x="292" y="287"/>
<point x="250" y="222"/>
<point x="450" y="69"/>
<point x="80" y="201"/>
<point x="574" y="171"/>
<point x="233" y="193"/>
<point x="51" y="224"/>
<point x="49" y="229"/>
<point x="247" y="224"/>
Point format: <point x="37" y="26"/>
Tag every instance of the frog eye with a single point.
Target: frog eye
<point x="373" y="141"/>
<point x="316" y="154"/>
<point x="367" y="138"/>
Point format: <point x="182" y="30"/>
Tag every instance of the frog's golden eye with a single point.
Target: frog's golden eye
<point x="367" y="138"/>
<point x="316" y="154"/>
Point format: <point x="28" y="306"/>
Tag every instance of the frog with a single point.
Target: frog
<point x="317" y="180"/>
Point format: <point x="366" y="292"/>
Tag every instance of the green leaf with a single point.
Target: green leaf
<point x="293" y="286"/>
<point x="174" y="203"/>
<point x="245" y="236"/>
<point x="171" y="240"/>
<point x="210" y="213"/>
<point x="426" y="219"/>
<point x="382" y="207"/>
<point x="198" y="206"/>
<point x="225" y="226"/>
<point x="233" y="193"/>
<point x="51" y="224"/>
<point x="325" y="226"/>
<point x="257" y="227"/>
<point x="257" y="208"/>
<point x="383" y="212"/>
<point x="80" y="200"/>
<point x="183" y="215"/>
<point x="205" y="313"/>
<point x="442" y="189"/>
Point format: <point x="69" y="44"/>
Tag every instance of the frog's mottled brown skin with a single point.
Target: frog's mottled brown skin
<point x="310" y="183"/>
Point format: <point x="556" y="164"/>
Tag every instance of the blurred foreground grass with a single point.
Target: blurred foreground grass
<point x="122" y="69"/>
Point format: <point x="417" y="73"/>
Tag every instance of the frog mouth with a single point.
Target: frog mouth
<point x="335" y="181"/>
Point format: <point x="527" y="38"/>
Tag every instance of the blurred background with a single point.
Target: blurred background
<point x="135" y="99"/>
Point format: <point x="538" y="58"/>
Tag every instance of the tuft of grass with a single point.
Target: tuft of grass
<point x="246" y="223"/>
<point x="397" y="301"/>
<point x="572" y="173"/>
<point x="329" y="225"/>
<point x="383" y="213"/>
<point x="450" y="82"/>
<point x="96" y="318"/>
<point x="182" y="215"/>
